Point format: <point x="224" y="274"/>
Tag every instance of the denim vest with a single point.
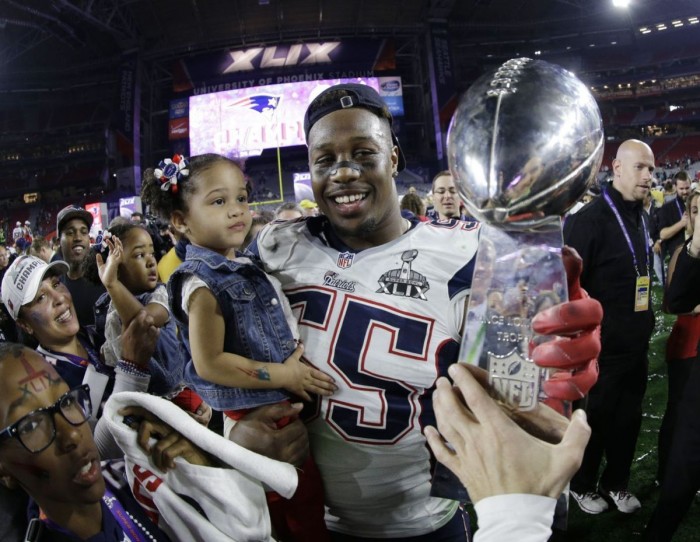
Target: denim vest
<point x="167" y="365"/>
<point x="255" y="324"/>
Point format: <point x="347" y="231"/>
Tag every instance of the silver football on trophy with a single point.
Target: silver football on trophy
<point x="524" y="144"/>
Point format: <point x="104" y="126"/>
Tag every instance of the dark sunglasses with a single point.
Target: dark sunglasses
<point x="37" y="430"/>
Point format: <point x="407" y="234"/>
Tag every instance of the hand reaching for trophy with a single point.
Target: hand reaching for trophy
<point x="533" y="452"/>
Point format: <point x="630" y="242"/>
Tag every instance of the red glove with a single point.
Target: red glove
<point x="574" y="353"/>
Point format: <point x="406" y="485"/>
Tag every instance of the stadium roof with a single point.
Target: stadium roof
<point x="41" y="39"/>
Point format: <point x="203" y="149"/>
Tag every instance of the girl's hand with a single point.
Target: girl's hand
<point x="303" y="378"/>
<point x="109" y="271"/>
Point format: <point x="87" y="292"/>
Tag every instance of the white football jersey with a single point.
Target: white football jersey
<point x="385" y="323"/>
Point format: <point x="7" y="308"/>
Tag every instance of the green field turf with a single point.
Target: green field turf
<point x="612" y="525"/>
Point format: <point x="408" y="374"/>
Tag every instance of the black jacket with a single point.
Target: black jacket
<point x="683" y="292"/>
<point x="609" y="273"/>
<point x="670" y="213"/>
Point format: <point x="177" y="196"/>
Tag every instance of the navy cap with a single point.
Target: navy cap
<point x="69" y="213"/>
<point x="356" y="95"/>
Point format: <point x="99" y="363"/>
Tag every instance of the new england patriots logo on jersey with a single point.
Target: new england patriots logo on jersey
<point x="404" y="281"/>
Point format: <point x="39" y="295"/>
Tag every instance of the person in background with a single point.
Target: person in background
<point x="673" y="216"/>
<point x="73" y="227"/>
<point x="652" y="210"/>
<point x="27" y="231"/>
<point x="412" y="203"/>
<point x="681" y="353"/>
<point x="612" y="236"/>
<point x="40" y="249"/>
<point x="310" y="207"/>
<point x="681" y="477"/>
<point x="260" y="220"/>
<point x="174" y="257"/>
<point x="17" y="232"/>
<point x="289" y="211"/>
<point x="446" y="201"/>
<point x="4" y="260"/>
<point x="127" y="268"/>
<point x="8" y="330"/>
<point x="137" y="218"/>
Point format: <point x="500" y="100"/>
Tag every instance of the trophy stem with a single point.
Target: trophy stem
<point x="517" y="275"/>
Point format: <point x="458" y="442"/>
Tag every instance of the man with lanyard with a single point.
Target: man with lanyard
<point x="673" y="217"/>
<point x="612" y="236"/>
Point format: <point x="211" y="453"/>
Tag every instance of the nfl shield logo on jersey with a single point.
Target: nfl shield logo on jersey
<point x="515" y="378"/>
<point x="345" y="260"/>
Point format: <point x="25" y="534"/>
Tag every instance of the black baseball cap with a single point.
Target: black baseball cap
<point x="69" y="213"/>
<point x="355" y="95"/>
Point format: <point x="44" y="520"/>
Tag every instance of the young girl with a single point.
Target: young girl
<point x="234" y="319"/>
<point x="130" y="277"/>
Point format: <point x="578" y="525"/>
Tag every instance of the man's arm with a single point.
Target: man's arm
<point x="669" y="231"/>
<point x="258" y="432"/>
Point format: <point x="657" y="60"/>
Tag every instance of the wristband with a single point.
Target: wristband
<point x="129" y="367"/>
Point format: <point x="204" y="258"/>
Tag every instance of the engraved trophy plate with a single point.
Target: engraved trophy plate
<point x="525" y="142"/>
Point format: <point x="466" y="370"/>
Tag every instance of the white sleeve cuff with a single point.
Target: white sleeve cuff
<point x="515" y="517"/>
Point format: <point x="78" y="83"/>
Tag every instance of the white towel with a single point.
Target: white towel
<point x="232" y="499"/>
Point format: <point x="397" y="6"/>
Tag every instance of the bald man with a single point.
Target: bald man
<point x="612" y="236"/>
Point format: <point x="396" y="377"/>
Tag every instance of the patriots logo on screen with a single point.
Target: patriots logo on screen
<point x="515" y="378"/>
<point x="262" y="103"/>
<point x="345" y="260"/>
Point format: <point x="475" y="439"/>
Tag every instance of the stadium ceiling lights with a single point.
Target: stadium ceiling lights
<point x="621" y="3"/>
<point x="676" y="23"/>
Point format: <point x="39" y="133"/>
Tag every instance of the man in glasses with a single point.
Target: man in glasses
<point x="37" y="430"/>
<point x="47" y="449"/>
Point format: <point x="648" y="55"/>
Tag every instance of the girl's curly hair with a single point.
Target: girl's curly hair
<point x="165" y="202"/>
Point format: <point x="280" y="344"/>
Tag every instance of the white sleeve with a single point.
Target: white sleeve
<point x="111" y="349"/>
<point x="189" y="285"/>
<point x="514" y="518"/>
<point x="160" y="297"/>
